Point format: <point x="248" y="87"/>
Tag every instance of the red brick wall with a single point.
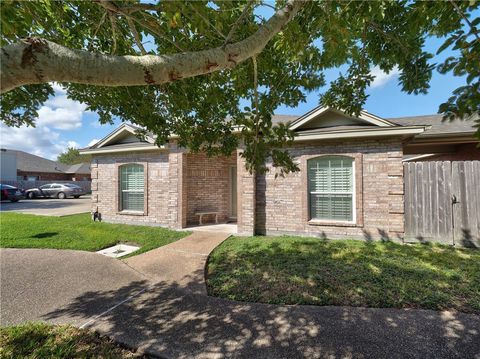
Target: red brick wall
<point x="179" y="184"/>
<point x="282" y="203"/>
<point x="207" y="185"/>
<point x="162" y="192"/>
<point x="246" y="205"/>
<point x="46" y="176"/>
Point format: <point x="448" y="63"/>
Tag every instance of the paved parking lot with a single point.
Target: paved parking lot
<point x="49" y="207"/>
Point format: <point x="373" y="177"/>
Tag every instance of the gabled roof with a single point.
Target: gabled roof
<point x="26" y="162"/>
<point x="124" y="130"/>
<point x="365" y="118"/>
<point x="123" y="138"/>
<point x="318" y="124"/>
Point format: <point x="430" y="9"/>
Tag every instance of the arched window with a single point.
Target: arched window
<point x="331" y="188"/>
<point x="132" y="185"/>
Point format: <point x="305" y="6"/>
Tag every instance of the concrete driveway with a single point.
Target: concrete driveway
<point x="49" y="207"/>
<point x="168" y="316"/>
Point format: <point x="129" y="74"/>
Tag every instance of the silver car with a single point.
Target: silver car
<point x="55" y="190"/>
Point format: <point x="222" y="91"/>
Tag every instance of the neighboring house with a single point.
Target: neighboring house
<point x="23" y="166"/>
<point x="350" y="182"/>
<point x="8" y="163"/>
<point x="444" y="141"/>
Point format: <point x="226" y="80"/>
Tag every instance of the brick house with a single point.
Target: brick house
<point x="350" y="181"/>
<point x="23" y="166"/>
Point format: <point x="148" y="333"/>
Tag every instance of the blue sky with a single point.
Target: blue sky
<point x="63" y="122"/>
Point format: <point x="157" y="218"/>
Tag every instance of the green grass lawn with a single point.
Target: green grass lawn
<point x="40" y="340"/>
<point x="296" y="270"/>
<point x="78" y="232"/>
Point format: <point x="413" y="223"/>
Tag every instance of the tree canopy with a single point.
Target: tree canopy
<point x="189" y="67"/>
<point x="72" y="156"/>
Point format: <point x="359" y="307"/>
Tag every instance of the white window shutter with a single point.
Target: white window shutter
<point x="330" y="181"/>
<point x="132" y="187"/>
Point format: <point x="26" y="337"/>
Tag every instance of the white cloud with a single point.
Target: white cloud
<point x="57" y="88"/>
<point x="92" y="142"/>
<point x="73" y="144"/>
<point x="61" y="113"/>
<point x="60" y="118"/>
<point x="40" y="141"/>
<point x="50" y="136"/>
<point x="381" y="77"/>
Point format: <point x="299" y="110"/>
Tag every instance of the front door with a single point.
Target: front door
<point x="233" y="192"/>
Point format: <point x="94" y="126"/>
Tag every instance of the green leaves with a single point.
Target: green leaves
<point x="19" y="107"/>
<point x="206" y="112"/>
<point x="72" y="156"/>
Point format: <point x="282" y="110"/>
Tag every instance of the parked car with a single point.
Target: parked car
<point x="55" y="190"/>
<point x="10" y="193"/>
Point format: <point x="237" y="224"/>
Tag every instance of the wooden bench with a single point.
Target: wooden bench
<point x="201" y="214"/>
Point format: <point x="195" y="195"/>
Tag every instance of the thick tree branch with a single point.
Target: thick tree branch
<point x="35" y="61"/>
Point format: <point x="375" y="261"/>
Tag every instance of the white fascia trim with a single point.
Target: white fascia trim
<point x="367" y="116"/>
<point x="307" y="117"/>
<point x="116" y="150"/>
<point x="419" y="157"/>
<point x="120" y="130"/>
<point x="110" y="136"/>
<point x="390" y="131"/>
<point x="364" y="115"/>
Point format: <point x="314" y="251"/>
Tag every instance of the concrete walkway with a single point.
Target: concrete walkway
<point x="157" y="302"/>
<point x="181" y="263"/>
<point x="36" y="282"/>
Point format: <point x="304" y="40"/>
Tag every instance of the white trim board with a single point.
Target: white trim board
<point x="359" y="133"/>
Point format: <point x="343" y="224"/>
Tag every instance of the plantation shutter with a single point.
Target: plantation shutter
<point x="132" y="187"/>
<point x="330" y="182"/>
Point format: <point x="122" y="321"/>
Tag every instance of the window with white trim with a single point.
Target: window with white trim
<point x="331" y="188"/>
<point x="132" y="185"/>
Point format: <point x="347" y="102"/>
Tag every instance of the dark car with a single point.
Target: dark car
<point x="55" y="190"/>
<point x="10" y="193"/>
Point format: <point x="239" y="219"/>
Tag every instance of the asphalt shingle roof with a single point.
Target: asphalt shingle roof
<point x="439" y="126"/>
<point x="27" y="162"/>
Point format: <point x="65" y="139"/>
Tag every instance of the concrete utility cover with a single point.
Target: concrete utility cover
<point x="119" y="250"/>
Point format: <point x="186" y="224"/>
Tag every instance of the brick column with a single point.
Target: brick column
<point x="396" y="213"/>
<point x="94" y="184"/>
<point x="177" y="193"/>
<point x="245" y="198"/>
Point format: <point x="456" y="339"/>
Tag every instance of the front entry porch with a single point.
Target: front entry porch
<point x="209" y="192"/>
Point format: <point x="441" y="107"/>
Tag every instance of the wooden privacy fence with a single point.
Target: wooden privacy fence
<point x="442" y="202"/>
